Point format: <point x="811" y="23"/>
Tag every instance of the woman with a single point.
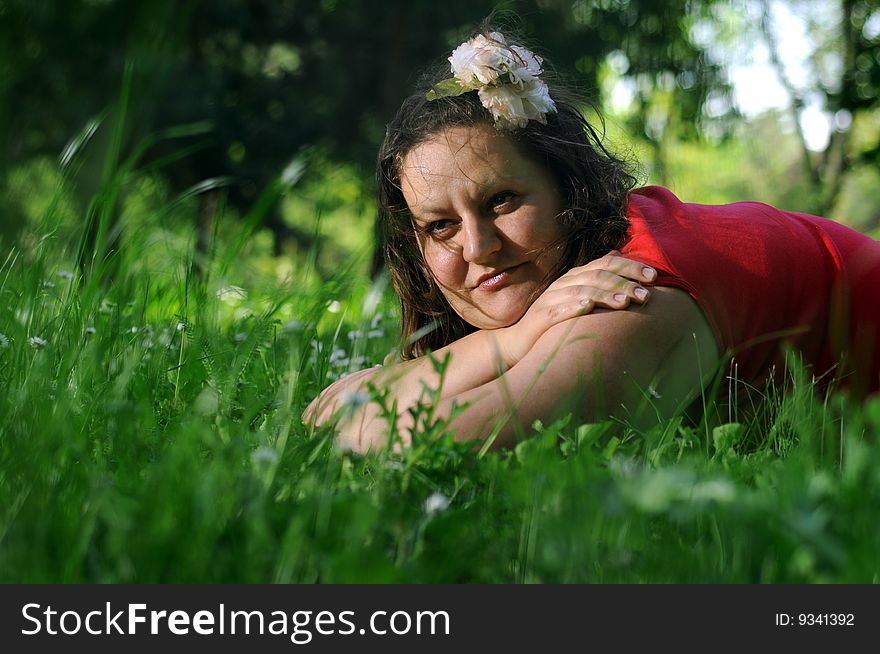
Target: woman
<point x="498" y="203"/>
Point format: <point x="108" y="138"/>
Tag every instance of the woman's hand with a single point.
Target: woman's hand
<point x="346" y="391"/>
<point x="611" y="282"/>
<point x="347" y="405"/>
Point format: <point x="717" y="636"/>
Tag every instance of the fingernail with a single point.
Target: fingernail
<point x="650" y="273"/>
<point x="620" y="297"/>
<point x="641" y="293"/>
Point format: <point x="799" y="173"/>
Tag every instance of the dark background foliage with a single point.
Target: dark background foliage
<point x="262" y="82"/>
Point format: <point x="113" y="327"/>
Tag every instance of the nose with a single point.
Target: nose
<point x="480" y="240"/>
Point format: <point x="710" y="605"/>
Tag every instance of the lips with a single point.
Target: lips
<point x="492" y="279"/>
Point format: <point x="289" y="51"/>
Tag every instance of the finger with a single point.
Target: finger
<point x="560" y="312"/>
<point x="575" y="301"/>
<point x="578" y="301"/>
<point x="624" y="267"/>
<point x="607" y="299"/>
<point x="596" y="277"/>
<point x="604" y="281"/>
<point x="575" y="308"/>
<point x="633" y="291"/>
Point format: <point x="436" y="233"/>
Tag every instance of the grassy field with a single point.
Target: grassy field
<point x="150" y="431"/>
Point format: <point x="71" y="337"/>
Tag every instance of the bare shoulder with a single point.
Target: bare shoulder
<point x="671" y="315"/>
<point x="662" y="352"/>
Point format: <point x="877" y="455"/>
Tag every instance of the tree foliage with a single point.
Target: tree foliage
<point x="269" y="80"/>
<point x="844" y="75"/>
<point x="272" y="75"/>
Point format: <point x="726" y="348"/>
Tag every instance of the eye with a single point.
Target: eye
<point x="439" y="228"/>
<point x="500" y="199"/>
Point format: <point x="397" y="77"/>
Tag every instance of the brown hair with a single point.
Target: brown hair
<point x="594" y="185"/>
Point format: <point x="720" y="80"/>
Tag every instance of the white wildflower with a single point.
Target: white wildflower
<point x="264" y="456"/>
<point x="334" y="306"/>
<point x="375" y="333"/>
<point x="134" y="329"/>
<point x="36" y="341"/>
<point x="91" y="330"/>
<point x="48" y="284"/>
<point x="4" y="341"/>
<point x="64" y="274"/>
<point x="436" y="503"/>
<point x="338" y="355"/>
<point x="292" y="325"/>
<point x="106" y="306"/>
<point x="207" y="402"/>
<point x="181" y="326"/>
<point x="717" y="490"/>
<point x="240" y="337"/>
<point x="623" y="467"/>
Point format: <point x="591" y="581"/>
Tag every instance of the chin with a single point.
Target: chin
<point x="497" y="320"/>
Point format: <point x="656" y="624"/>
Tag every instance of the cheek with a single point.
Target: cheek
<point x="445" y="264"/>
<point x="547" y="232"/>
<point x="533" y="226"/>
<point x="546" y="228"/>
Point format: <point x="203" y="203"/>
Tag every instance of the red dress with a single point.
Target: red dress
<point x="764" y="277"/>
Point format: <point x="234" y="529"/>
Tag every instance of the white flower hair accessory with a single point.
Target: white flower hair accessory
<point x="505" y="78"/>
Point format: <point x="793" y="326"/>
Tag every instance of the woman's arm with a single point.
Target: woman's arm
<point x="640" y="364"/>
<point x="482" y="356"/>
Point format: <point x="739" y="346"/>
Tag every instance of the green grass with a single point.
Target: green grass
<point x="155" y="436"/>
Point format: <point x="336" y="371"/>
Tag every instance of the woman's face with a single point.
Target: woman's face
<point x="484" y="217"/>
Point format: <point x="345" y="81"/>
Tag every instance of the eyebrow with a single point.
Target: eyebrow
<point x="483" y="189"/>
<point x="430" y="211"/>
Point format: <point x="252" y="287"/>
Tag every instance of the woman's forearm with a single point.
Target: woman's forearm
<point x="594" y="367"/>
<point x="475" y="360"/>
<point x="463" y="365"/>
